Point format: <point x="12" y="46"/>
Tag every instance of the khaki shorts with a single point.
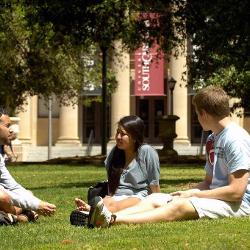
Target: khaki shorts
<point x="212" y="208"/>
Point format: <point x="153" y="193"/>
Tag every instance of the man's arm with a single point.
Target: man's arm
<point x="233" y="192"/>
<point x="204" y="185"/>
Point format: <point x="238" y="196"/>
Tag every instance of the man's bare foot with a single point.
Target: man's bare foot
<point x="82" y="205"/>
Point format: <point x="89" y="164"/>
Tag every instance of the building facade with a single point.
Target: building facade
<point x="76" y="130"/>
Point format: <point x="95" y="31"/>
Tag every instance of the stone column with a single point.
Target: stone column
<point x="68" y="126"/>
<point x="27" y="128"/>
<point x="180" y="98"/>
<point x="25" y="123"/>
<point x="121" y="98"/>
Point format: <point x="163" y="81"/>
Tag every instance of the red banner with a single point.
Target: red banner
<point x="149" y="71"/>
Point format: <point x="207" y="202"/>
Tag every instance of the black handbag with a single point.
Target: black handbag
<point x="100" y="189"/>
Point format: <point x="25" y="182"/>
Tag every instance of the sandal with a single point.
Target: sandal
<point x="7" y="219"/>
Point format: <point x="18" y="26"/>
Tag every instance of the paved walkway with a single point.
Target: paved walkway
<point x="40" y="153"/>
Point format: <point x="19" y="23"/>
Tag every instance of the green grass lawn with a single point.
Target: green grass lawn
<point x="59" y="184"/>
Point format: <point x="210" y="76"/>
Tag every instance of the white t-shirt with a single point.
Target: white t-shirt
<point x="20" y="196"/>
<point x="226" y="153"/>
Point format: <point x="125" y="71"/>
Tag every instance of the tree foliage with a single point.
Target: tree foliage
<point x="34" y="62"/>
<point x="43" y="43"/>
<point x="13" y="69"/>
<point x="219" y="31"/>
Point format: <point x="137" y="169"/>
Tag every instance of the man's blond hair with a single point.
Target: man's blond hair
<point x="214" y="100"/>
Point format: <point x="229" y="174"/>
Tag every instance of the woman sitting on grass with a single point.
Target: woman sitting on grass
<point x="132" y="167"/>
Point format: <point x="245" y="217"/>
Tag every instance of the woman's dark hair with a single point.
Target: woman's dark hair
<point x="134" y="126"/>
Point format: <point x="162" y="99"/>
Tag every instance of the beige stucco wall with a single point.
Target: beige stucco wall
<point x="42" y="131"/>
<point x="28" y="122"/>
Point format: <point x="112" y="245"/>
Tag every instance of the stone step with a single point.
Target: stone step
<point x="40" y="153"/>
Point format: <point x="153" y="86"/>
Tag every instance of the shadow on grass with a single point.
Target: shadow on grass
<point x="87" y="184"/>
<point x="179" y="181"/>
<point x="182" y="166"/>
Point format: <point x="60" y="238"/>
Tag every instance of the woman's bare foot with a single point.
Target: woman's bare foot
<point x="22" y="218"/>
<point x="82" y="205"/>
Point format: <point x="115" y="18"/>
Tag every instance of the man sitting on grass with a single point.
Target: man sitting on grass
<point x="225" y="190"/>
<point x="16" y="202"/>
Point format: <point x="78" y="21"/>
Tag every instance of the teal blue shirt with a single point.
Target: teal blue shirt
<point x="144" y="170"/>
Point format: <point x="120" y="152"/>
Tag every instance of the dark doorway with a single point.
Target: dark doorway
<point x="151" y="110"/>
<point x="92" y="122"/>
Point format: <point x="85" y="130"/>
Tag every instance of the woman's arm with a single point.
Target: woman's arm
<point x="155" y="188"/>
<point x="151" y="162"/>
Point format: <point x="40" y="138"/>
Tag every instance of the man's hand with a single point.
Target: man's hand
<point x="185" y="194"/>
<point x="46" y="209"/>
